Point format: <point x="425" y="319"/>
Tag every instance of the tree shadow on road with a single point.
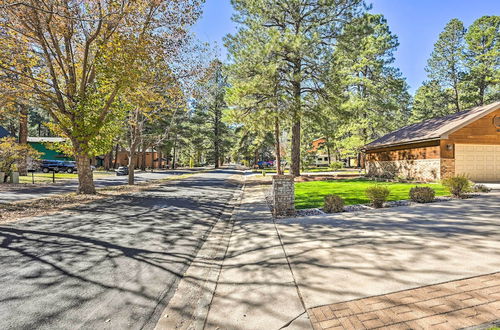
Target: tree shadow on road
<point x="108" y="264"/>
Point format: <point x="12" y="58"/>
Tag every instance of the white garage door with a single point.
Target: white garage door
<point x="480" y="162"/>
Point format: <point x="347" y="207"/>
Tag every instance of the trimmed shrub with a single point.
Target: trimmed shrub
<point x="481" y="188"/>
<point x="422" y="194"/>
<point x="333" y="204"/>
<point x="458" y="185"/>
<point x="378" y="195"/>
<point x="336" y="165"/>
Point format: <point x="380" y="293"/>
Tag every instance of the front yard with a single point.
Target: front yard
<point x="311" y="194"/>
<point x="40" y="177"/>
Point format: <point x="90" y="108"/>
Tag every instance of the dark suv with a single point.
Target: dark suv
<point x="68" y="166"/>
<point x="51" y="165"/>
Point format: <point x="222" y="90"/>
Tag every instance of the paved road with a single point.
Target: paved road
<point x="67" y="186"/>
<point x="107" y="265"/>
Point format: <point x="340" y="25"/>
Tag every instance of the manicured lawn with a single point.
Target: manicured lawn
<point x="311" y="194"/>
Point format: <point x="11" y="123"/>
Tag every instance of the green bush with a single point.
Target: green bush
<point x="378" y="195"/>
<point x="336" y="165"/>
<point x="458" y="185"/>
<point x="422" y="194"/>
<point x="481" y="188"/>
<point x="333" y="204"/>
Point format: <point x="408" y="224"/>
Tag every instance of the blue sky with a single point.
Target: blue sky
<point x="417" y="23"/>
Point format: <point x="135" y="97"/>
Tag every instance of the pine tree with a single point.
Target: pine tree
<point x="446" y="65"/>
<point x="376" y="94"/>
<point x="301" y="36"/>
<point x="483" y="60"/>
<point x="430" y="101"/>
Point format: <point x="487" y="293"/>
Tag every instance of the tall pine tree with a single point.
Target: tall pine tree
<point x="446" y="64"/>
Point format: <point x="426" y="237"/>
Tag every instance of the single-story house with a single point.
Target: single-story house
<point x="466" y="142"/>
<point x="152" y="159"/>
<point x="319" y="152"/>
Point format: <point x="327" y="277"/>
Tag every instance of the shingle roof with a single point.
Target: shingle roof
<point x="3" y="132"/>
<point x="433" y="129"/>
<point x="45" y="139"/>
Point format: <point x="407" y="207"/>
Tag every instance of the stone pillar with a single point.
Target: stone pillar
<point x="283" y="195"/>
<point x="14" y="177"/>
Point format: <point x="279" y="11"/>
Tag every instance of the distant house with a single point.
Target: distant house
<point x="466" y="142"/>
<point x="42" y="144"/>
<point x="151" y="159"/>
<point x="319" y="152"/>
<point x="4" y="132"/>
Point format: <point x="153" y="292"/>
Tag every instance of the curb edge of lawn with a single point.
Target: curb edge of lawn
<point x="189" y="306"/>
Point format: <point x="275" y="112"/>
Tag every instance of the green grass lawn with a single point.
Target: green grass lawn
<point x="47" y="177"/>
<point x="311" y="194"/>
<point x="329" y="169"/>
<point x="311" y="170"/>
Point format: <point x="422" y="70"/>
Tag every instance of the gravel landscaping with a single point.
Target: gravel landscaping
<point x="361" y="207"/>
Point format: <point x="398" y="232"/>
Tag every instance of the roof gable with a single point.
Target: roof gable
<point x="433" y="129"/>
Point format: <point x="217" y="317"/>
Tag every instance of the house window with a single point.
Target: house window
<point x="496" y="121"/>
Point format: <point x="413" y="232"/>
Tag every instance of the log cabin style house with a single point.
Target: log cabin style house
<point x="466" y="142"/>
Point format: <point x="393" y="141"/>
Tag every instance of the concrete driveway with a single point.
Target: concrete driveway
<point x="347" y="256"/>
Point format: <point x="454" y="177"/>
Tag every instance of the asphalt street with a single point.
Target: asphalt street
<point x="108" y="265"/>
<point x="67" y="186"/>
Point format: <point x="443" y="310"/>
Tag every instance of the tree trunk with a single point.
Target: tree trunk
<point x="482" y="88"/>
<point x="131" y="167"/>
<point x="295" y="165"/>
<point x="23" y="137"/>
<point x="216" y="138"/>
<point x="85" y="175"/>
<point x="116" y="155"/>
<point x="277" y="145"/>
<point x="143" y="157"/>
<point x="135" y="131"/>
<point x="457" y="103"/>
<point x="329" y="154"/>
<point x="159" y="158"/>
<point x="152" y="158"/>
<point x="174" y="150"/>
<point x="107" y="160"/>
<point x="132" y="158"/>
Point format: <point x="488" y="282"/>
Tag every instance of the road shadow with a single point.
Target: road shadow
<point x="108" y="264"/>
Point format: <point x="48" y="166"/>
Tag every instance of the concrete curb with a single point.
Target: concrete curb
<point x="189" y="306"/>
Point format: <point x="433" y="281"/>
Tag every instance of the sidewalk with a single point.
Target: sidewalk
<point x="256" y="289"/>
<point x="241" y="278"/>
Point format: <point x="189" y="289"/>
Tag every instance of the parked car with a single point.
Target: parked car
<point x="68" y="166"/>
<point x="265" y="164"/>
<point x="122" y="170"/>
<point x="51" y="165"/>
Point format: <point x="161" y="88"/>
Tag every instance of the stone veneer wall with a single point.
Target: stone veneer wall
<point x="283" y="195"/>
<point x="447" y="168"/>
<point x="418" y="169"/>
